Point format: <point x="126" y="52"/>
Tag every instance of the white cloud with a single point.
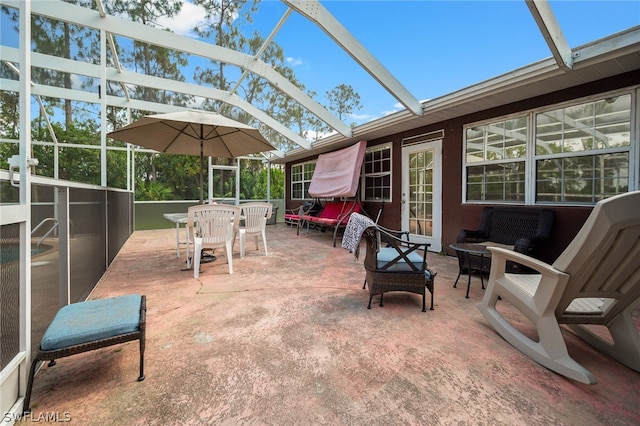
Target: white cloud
<point x="312" y="135"/>
<point x="389" y="112"/>
<point x="361" y="117"/>
<point x="294" y="61"/>
<point x="76" y="83"/>
<point x="190" y="16"/>
<point x="396" y="107"/>
<point x="367" y="117"/>
<point x="196" y="102"/>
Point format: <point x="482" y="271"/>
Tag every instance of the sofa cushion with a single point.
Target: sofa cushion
<point x="92" y="320"/>
<point x="332" y="210"/>
<point x="335" y="213"/>
<point x="387" y="254"/>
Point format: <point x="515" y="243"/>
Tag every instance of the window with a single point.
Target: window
<point x="301" y="175"/>
<point x="582" y="151"/>
<point x="377" y="173"/>
<point x="495" y="156"/>
<point x="576" y="154"/>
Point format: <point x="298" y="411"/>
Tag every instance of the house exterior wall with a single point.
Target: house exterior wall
<point x="458" y="215"/>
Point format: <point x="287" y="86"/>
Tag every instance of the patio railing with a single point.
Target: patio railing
<point x="77" y="230"/>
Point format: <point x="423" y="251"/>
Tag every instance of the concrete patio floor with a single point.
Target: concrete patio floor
<point x="287" y="339"/>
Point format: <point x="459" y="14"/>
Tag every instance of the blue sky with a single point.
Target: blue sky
<point x="432" y="47"/>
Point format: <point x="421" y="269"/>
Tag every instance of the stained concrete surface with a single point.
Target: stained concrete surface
<point x="287" y="340"/>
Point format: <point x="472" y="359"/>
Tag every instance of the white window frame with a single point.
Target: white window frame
<point x="381" y="147"/>
<point x="592" y="152"/>
<point x="304" y="182"/>
<point x="484" y="162"/>
<point x="531" y="158"/>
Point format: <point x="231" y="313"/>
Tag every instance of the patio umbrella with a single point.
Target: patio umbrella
<point x="194" y="133"/>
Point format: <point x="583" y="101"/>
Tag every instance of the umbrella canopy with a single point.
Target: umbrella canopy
<point x="194" y="133"/>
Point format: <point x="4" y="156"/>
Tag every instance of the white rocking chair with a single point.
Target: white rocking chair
<point x="596" y="280"/>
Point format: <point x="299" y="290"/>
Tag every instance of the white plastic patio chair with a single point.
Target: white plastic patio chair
<point x="255" y="215"/>
<point x="596" y="280"/>
<point x="212" y="226"/>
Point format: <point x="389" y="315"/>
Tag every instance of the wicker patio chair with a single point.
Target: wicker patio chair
<point x="396" y="264"/>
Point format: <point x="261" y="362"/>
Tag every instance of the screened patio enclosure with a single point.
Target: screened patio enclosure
<point x="95" y="83"/>
<point x="53" y="171"/>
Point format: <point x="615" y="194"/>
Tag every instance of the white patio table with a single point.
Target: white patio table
<point x="178" y="219"/>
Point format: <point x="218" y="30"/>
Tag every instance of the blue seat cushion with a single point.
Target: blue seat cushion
<point x="387" y="254"/>
<point x="92" y="320"/>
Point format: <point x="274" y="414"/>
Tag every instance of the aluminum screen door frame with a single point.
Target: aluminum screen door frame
<point x="13" y="374"/>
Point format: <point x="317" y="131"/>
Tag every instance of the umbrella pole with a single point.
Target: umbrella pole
<point x="201" y="172"/>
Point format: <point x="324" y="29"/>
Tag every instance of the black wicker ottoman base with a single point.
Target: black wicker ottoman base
<point x="383" y="282"/>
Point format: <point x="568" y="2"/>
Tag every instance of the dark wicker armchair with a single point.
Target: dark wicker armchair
<point x="395" y="264"/>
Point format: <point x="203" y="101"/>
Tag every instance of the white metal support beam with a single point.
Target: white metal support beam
<point x="316" y="13"/>
<point x="24" y="219"/>
<point x="67" y="12"/>
<point x="552" y="33"/>
<point x="102" y="89"/>
<point x="43" y="110"/>
<point x="112" y="46"/>
<point x="126" y="77"/>
<point x="264" y="46"/>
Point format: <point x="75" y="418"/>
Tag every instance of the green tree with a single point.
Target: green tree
<point x="177" y="176"/>
<point x="9" y="114"/>
<point x="343" y="100"/>
<point x="61" y="39"/>
<point x="165" y="176"/>
<point x="311" y="123"/>
<point x="223" y="26"/>
<point x="147" y="58"/>
<point x="152" y="191"/>
<point x="117" y="169"/>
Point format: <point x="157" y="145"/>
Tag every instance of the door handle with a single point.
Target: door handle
<point x="14" y="163"/>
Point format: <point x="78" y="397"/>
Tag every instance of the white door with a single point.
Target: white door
<point x="422" y="192"/>
<point x="224" y="183"/>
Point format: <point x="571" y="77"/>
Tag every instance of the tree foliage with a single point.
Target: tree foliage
<point x="343" y="100"/>
<point x="159" y="176"/>
<point x="64" y="40"/>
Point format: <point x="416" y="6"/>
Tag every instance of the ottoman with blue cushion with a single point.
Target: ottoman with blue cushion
<point x="94" y="324"/>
